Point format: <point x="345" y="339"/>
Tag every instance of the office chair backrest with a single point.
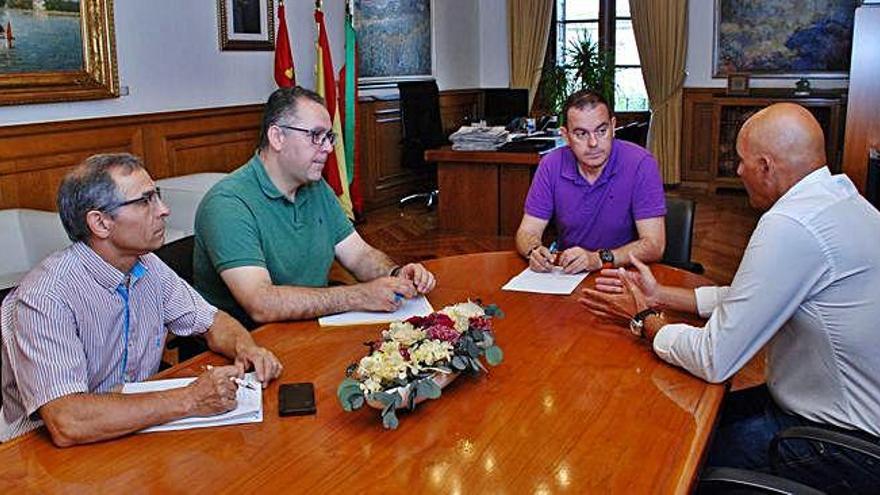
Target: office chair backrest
<point x="420" y="120"/>
<point x="634" y="132"/>
<point x="679" y="231"/>
<point x="178" y="255"/>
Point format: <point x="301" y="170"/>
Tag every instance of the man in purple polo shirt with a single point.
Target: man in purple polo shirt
<point x="94" y="316"/>
<point x="604" y="195"/>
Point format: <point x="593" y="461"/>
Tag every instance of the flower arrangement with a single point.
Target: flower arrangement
<point x="416" y="358"/>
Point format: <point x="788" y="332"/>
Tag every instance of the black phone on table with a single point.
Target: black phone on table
<point x="296" y="399"/>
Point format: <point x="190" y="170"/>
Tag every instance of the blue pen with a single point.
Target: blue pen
<point x="398" y="297"/>
<point x="553" y="247"/>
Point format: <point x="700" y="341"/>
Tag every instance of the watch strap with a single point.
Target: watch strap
<point x="637" y="323"/>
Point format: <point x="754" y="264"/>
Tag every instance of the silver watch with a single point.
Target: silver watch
<point x="637" y="323"/>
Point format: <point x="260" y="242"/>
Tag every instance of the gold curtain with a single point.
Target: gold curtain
<point x="660" y="28"/>
<point x="528" y="23"/>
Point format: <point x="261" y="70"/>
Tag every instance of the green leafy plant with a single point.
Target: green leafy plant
<point x="586" y="66"/>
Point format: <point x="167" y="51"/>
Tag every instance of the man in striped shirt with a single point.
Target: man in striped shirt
<point x="94" y="316"/>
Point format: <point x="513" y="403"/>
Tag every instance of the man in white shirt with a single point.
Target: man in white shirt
<point x="808" y="284"/>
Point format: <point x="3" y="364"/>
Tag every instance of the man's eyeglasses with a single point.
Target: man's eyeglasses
<point x="150" y="197"/>
<point x="319" y="137"/>
<point x="599" y="134"/>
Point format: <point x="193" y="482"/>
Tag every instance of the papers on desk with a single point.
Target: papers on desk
<point x="554" y="282"/>
<point x="417" y="306"/>
<point x="249" y="409"/>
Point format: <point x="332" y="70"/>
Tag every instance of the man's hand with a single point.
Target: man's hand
<point x="385" y="293"/>
<point x="577" y="259"/>
<point x="623" y="305"/>
<point x="423" y="280"/>
<point x="213" y="392"/>
<point x="541" y="259"/>
<point x="612" y="281"/>
<point x="265" y="364"/>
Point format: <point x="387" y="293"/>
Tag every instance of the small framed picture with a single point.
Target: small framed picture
<point x="738" y="83"/>
<point x="246" y="24"/>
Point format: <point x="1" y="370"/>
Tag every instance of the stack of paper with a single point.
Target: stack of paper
<point x="478" y="138"/>
<point x="553" y="282"/>
<point x="249" y="409"/>
<point x="417" y="306"/>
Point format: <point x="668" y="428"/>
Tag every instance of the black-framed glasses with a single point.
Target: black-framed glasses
<point x="150" y="197"/>
<point x="319" y="137"/>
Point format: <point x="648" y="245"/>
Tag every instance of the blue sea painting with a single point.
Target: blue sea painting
<point x="42" y="40"/>
<point x="394" y="38"/>
<point x="784" y="36"/>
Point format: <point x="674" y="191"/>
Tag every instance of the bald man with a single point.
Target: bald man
<point x="808" y="284"/>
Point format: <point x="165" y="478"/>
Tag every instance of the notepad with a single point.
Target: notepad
<point x="553" y="282"/>
<point x="417" y="306"/>
<point x="249" y="409"/>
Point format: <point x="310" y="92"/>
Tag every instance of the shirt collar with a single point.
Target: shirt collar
<point x="818" y="175"/>
<point x="268" y="187"/>
<point x="104" y="273"/>
<point x="571" y="172"/>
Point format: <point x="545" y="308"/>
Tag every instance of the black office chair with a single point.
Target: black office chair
<point x="872" y="185"/>
<point x="679" y="234"/>
<point x="178" y="255"/>
<point x="722" y="480"/>
<point x="422" y="129"/>
<point x="634" y="132"/>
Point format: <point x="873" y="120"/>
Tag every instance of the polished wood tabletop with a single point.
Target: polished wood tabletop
<point x="578" y="406"/>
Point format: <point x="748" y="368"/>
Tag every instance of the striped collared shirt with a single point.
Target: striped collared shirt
<point x="64" y="329"/>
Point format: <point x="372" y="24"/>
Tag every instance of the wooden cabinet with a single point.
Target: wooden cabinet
<point x="712" y="120"/>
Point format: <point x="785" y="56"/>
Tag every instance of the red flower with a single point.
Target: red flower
<point x="404" y="351"/>
<point x="431" y="320"/>
<point x="444" y="333"/>
<point x="480" y="323"/>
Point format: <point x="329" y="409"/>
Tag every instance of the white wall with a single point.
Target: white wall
<point x="169" y="57"/>
<point x="494" y="53"/>
<point x="701" y="20"/>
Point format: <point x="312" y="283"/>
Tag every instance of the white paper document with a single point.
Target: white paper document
<point x="554" y="282"/>
<point x="249" y="409"/>
<point x="417" y="306"/>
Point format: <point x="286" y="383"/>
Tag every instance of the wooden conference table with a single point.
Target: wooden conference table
<point x="577" y="406"/>
<point x="482" y="192"/>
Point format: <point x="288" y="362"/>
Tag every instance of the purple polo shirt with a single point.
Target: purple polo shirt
<point x="601" y="215"/>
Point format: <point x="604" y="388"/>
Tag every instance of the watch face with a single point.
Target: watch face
<point x="606" y="256"/>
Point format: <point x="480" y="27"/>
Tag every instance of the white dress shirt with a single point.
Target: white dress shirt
<point x="809" y="283"/>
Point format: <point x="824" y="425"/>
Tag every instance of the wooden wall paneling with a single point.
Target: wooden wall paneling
<point x="35" y="157"/>
<point x="458" y="108"/>
<point x="862" y="122"/>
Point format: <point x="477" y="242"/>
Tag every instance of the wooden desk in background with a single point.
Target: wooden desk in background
<point x="577" y="406"/>
<point x="482" y="192"/>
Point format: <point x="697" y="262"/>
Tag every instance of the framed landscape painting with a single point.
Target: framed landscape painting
<point x="57" y="50"/>
<point x="395" y="40"/>
<point x="784" y="38"/>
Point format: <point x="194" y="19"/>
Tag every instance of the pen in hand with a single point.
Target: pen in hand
<point x="238" y="381"/>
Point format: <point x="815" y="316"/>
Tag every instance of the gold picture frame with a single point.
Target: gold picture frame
<point x="96" y="79"/>
<point x="256" y="24"/>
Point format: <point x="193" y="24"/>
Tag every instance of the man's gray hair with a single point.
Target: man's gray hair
<point x="90" y="187"/>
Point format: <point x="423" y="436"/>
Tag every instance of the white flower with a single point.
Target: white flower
<point x="461" y="314"/>
<point x="383" y="365"/>
<point x="431" y="351"/>
<point x="404" y="332"/>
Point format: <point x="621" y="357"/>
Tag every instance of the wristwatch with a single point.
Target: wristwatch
<point x="637" y="323"/>
<point x="607" y="258"/>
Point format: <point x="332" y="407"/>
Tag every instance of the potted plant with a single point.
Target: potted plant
<point x="586" y="66"/>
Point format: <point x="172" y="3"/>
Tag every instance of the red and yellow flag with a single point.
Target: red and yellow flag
<point x="335" y="171"/>
<point x="284" y="75"/>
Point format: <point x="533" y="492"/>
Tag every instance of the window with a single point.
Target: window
<point x="574" y="18"/>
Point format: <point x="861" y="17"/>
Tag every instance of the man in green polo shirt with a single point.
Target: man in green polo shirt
<point x="266" y="235"/>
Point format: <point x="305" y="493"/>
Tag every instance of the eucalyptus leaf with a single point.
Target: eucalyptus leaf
<point x="383" y="398"/>
<point x="356" y="401"/>
<point x="478" y="366"/>
<point x="494" y="355"/>
<point x="428" y="388"/>
<point x="459" y="363"/>
<point x="389" y="419"/>
<point x="347" y="392"/>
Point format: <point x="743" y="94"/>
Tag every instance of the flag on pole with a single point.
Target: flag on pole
<point x="284" y="75"/>
<point x="335" y="170"/>
<point x="348" y="84"/>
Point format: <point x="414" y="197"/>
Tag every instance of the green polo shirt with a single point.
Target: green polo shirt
<point x="244" y="220"/>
